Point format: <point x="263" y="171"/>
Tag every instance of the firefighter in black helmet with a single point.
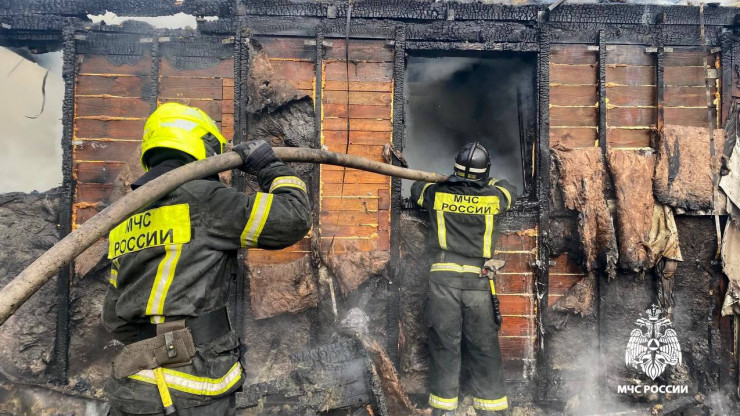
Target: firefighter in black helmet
<point x="463" y="212"/>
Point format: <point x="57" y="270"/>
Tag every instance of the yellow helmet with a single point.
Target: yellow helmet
<point x="180" y="127"/>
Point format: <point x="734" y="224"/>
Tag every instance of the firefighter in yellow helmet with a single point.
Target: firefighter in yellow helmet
<point x="173" y="262"/>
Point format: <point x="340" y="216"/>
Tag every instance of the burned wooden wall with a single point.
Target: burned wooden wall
<point x="609" y="74"/>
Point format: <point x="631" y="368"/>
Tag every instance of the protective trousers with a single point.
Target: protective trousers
<point x="225" y="406"/>
<point x="456" y="316"/>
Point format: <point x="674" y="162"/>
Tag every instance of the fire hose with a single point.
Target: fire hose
<point x="30" y="280"/>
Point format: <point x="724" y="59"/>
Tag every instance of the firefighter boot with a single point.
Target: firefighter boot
<point x="442" y="412"/>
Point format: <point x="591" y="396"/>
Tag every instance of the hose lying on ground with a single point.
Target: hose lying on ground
<point x="30" y="280"/>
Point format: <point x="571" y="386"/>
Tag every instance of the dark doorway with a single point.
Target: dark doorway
<point x="455" y="99"/>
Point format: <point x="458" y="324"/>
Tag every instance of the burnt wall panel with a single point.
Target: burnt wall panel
<point x="357" y="104"/>
<point x="573" y="96"/>
<point x="631" y="96"/>
<point x="111" y="106"/>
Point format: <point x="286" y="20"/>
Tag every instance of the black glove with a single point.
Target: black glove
<point x="256" y="154"/>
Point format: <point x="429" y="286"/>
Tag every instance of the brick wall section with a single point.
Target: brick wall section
<point x="515" y="288"/>
<point x="356" y="215"/>
<point x="110" y="110"/>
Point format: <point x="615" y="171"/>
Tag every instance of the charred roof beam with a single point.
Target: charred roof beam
<point x="406" y="10"/>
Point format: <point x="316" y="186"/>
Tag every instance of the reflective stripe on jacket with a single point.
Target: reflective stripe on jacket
<point x="463" y="214"/>
<point x="174" y="258"/>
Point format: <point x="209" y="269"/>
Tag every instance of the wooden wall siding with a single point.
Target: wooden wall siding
<point x="631" y="96"/>
<point x="515" y="288"/>
<point x="685" y="86"/>
<point x="293" y="60"/>
<point x="573" y="96"/>
<point x="211" y="89"/>
<point x="110" y="110"/>
<point x="356" y="215"/>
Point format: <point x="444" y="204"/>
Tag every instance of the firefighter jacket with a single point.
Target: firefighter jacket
<point x="173" y="260"/>
<point x="463" y="217"/>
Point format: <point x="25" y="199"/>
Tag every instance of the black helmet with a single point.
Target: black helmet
<point x="472" y="162"/>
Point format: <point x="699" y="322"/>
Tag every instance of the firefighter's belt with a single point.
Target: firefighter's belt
<point x="204" y="328"/>
<point x="172" y="343"/>
<point x="450" y="257"/>
<point x="170" y="349"/>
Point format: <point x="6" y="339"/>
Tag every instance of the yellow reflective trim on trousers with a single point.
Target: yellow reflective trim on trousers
<point x="164" y="392"/>
<point x="441" y="230"/>
<point x="257" y="219"/>
<point x="420" y="202"/>
<point x="507" y="194"/>
<point x="163" y="280"/>
<point x="498" y="404"/>
<point x="188" y="383"/>
<point x="487" y="236"/>
<point x="288" y="181"/>
<point x="455" y="268"/>
<point x="442" y="403"/>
